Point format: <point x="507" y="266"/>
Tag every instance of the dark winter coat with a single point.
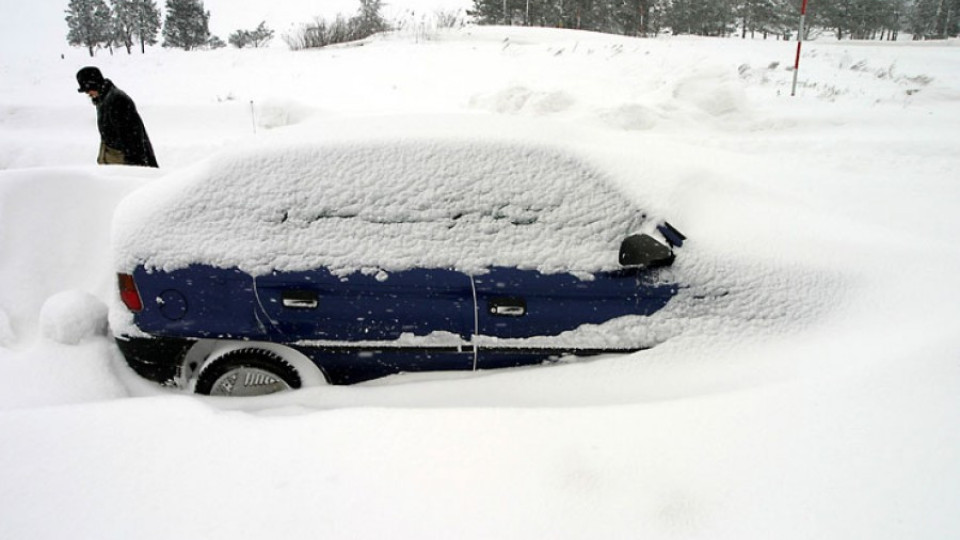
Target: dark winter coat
<point x="121" y="128"/>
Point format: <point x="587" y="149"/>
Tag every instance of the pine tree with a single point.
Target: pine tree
<point x="89" y="24"/>
<point x="186" y="25"/>
<point x="937" y="19"/>
<point x="255" y="38"/>
<point x="261" y="35"/>
<point x="633" y="17"/>
<point x="370" y="18"/>
<point x="147" y="22"/>
<point x="486" y="12"/>
<point x="124" y="22"/>
<point x="239" y="39"/>
<point x="526" y="12"/>
<point x="764" y="16"/>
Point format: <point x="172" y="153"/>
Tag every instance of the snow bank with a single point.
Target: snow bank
<point x="54" y="235"/>
<point x="49" y="374"/>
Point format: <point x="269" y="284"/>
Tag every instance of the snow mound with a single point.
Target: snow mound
<point x="384" y="205"/>
<point x="630" y="117"/>
<point x="712" y="91"/>
<point x="55" y="235"/>
<point x="522" y="100"/>
<point x="71" y="317"/>
<point x="277" y="112"/>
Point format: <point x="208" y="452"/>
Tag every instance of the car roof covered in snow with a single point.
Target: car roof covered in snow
<point x="465" y="200"/>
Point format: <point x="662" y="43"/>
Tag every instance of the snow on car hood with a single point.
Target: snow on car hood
<point x="383" y="205"/>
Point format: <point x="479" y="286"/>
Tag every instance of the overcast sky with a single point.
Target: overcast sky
<point x="32" y="26"/>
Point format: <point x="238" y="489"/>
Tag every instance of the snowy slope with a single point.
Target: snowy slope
<point x="812" y="395"/>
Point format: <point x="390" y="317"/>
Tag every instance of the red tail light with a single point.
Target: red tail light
<point x="129" y="293"/>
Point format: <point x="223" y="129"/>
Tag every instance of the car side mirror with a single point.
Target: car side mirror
<point x="644" y="250"/>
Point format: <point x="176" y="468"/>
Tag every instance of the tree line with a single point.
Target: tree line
<point x="854" y="19"/>
<point x="96" y="24"/>
<point x="107" y="24"/>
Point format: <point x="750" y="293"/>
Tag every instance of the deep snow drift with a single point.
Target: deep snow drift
<point x="811" y="394"/>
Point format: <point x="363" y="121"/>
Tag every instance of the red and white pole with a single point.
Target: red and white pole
<point x="796" y="63"/>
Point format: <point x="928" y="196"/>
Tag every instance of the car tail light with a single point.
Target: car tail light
<point x="129" y="293"/>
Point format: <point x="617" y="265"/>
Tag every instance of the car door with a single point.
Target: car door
<point x="409" y="308"/>
<point x="514" y="304"/>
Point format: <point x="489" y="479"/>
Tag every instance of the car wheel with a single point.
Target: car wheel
<point x="247" y="372"/>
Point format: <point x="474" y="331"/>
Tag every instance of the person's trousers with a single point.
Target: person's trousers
<point x="110" y="156"/>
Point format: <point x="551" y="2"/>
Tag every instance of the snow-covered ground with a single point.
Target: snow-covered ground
<point x="818" y="399"/>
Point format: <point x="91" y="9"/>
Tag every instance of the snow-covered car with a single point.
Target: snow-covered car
<point x="280" y="266"/>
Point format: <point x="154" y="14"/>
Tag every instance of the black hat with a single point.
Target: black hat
<point x="89" y="78"/>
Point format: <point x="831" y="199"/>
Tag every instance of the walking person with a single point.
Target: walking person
<point x="123" y="138"/>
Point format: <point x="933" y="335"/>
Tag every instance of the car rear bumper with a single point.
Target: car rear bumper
<point x="157" y="359"/>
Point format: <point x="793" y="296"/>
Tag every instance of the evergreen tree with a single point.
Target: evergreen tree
<point x="146" y="26"/>
<point x="951" y="21"/>
<point x="89" y="24"/>
<point x="633" y="17"/>
<point x="935" y="19"/>
<point x="764" y="16"/>
<point x="860" y="19"/>
<point x="895" y="18"/>
<point x="261" y="35"/>
<point x="701" y="18"/>
<point x="186" y="25"/>
<point x="486" y="12"/>
<point x="239" y="39"/>
<point x="124" y="22"/>
<point x="923" y="18"/>
<point x="215" y="43"/>
<point x="255" y="38"/>
<point x="370" y="19"/>
<point x="526" y="12"/>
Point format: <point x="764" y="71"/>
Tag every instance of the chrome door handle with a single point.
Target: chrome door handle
<point x="510" y="311"/>
<point x="300" y="299"/>
<point x="507" y="307"/>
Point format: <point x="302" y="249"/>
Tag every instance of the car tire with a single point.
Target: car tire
<point x="247" y="372"/>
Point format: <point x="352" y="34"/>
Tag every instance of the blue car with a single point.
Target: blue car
<point x="288" y="265"/>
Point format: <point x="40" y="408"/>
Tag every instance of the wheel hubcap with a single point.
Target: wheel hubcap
<point x="248" y="381"/>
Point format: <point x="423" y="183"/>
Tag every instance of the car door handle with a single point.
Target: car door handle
<point x="507" y="307"/>
<point x="300" y="299"/>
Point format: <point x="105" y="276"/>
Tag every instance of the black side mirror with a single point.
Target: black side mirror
<point x="644" y="250"/>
